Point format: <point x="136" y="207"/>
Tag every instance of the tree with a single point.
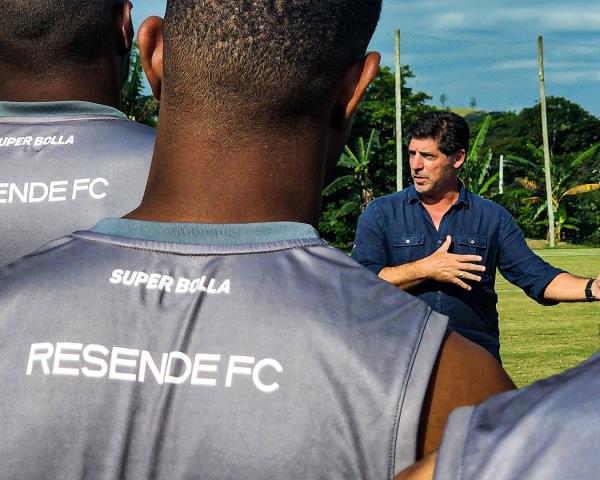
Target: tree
<point x="473" y="102"/>
<point x="356" y="186"/>
<point x="563" y="186"/>
<point x="137" y="106"/>
<point x="377" y="111"/>
<point x="443" y="100"/>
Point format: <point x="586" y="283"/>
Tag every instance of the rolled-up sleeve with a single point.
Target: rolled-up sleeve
<point x="520" y="266"/>
<point x="370" y="245"/>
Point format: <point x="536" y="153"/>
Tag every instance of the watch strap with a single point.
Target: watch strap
<point x="588" y="291"/>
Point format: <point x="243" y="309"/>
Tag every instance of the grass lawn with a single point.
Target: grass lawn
<point x="538" y="341"/>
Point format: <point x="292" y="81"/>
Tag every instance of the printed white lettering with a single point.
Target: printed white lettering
<point x="199" y="366"/>
<point x="54" y="191"/>
<point x="117" y="360"/>
<point x="98" y="362"/>
<point x="32" y="189"/>
<point x="57" y="188"/>
<point x="157" y="281"/>
<point x="15" y="141"/>
<point x="267" y="362"/>
<point x="233" y="368"/>
<point x="3" y="192"/>
<point x="61" y="356"/>
<point x="22" y="194"/>
<point x="117" y="276"/>
<point x="142" y="278"/>
<point x="147" y="361"/>
<point x="81" y="184"/>
<point x="95" y="361"/>
<point x="40" y="352"/>
<point x="169" y="377"/>
<point x="93" y="194"/>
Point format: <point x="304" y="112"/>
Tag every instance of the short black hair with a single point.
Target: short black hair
<point x="38" y="35"/>
<point x="271" y="58"/>
<point x="450" y="130"/>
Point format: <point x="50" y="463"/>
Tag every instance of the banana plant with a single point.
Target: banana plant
<point x="358" y="182"/>
<point x="475" y="170"/>
<point x="562" y="185"/>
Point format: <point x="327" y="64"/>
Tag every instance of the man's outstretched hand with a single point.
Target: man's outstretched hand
<point x="453" y="268"/>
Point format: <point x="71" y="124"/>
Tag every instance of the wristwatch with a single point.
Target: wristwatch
<point x="588" y="291"/>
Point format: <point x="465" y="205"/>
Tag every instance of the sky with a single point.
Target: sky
<point x="485" y="51"/>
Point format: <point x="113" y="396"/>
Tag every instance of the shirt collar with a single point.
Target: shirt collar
<point x="206" y="234"/>
<point x="463" y="195"/>
<point x="58" y="109"/>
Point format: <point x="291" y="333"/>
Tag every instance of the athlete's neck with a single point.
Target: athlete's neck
<point x="195" y="177"/>
<point x="88" y="84"/>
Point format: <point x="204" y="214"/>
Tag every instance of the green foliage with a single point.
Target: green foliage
<point x="137" y="106"/>
<point x="573" y="133"/>
<point x="474" y="172"/>
<point x="377" y="112"/>
<point x="576" y="162"/>
<point x="563" y="186"/>
<point x="356" y="187"/>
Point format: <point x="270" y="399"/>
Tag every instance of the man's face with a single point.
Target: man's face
<point x="431" y="170"/>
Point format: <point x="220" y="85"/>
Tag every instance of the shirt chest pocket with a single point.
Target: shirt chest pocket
<point x="470" y="245"/>
<point x="407" y="247"/>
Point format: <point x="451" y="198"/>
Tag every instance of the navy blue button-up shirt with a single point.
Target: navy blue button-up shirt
<point x="397" y="229"/>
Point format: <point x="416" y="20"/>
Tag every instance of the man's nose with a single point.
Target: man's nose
<point x="416" y="161"/>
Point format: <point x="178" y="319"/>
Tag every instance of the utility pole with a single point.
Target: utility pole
<point x="399" y="160"/>
<point x="546" y="141"/>
<point x="501" y="175"/>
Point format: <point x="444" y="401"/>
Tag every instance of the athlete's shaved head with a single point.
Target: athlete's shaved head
<point x="279" y="58"/>
<point x="37" y="35"/>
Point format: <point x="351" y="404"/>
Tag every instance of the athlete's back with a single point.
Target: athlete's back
<point x="269" y="356"/>
<point x="63" y="167"/>
<point x="68" y="156"/>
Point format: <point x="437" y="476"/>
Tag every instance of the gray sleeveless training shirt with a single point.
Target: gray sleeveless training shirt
<point x="144" y="350"/>
<point x="63" y="167"/>
<point x="547" y="431"/>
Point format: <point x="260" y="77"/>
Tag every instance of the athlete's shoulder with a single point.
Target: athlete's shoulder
<point x="503" y="424"/>
<point x="361" y="293"/>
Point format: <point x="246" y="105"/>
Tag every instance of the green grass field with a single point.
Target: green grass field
<point x="538" y="341"/>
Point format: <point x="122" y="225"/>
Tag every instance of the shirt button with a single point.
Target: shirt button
<point x="439" y="242"/>
<point x="407" y="241"/>
<point x="472" y="242"/>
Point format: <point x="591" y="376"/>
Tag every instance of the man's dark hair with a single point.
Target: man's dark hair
<point x="271" y="59"/>
<point x="41" y="35"/>
<point x="450" y="130"/>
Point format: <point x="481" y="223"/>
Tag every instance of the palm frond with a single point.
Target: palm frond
<point x="585" y="188"/>
<point x="338" y="184"/>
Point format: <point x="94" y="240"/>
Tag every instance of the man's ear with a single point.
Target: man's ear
<point x="151" y="43"/>
<point x="459" y="158"/>
<point x="354" y="86"/>
<point x="126" y="27"/>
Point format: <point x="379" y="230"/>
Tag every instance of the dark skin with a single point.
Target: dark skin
<point x="279" y="181"/>
<point x="99" y="81"/>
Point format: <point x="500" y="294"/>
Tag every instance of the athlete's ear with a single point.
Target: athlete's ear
<point x="354" y="85"/>
<point x="126" y="27"/>
<point x="151" y="41"/>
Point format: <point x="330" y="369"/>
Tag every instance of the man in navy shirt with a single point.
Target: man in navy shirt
<point x="443" y="244"/>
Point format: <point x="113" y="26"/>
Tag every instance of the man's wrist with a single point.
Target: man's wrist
<point x="592" y="293"/>
<point x="421" y="270"/>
